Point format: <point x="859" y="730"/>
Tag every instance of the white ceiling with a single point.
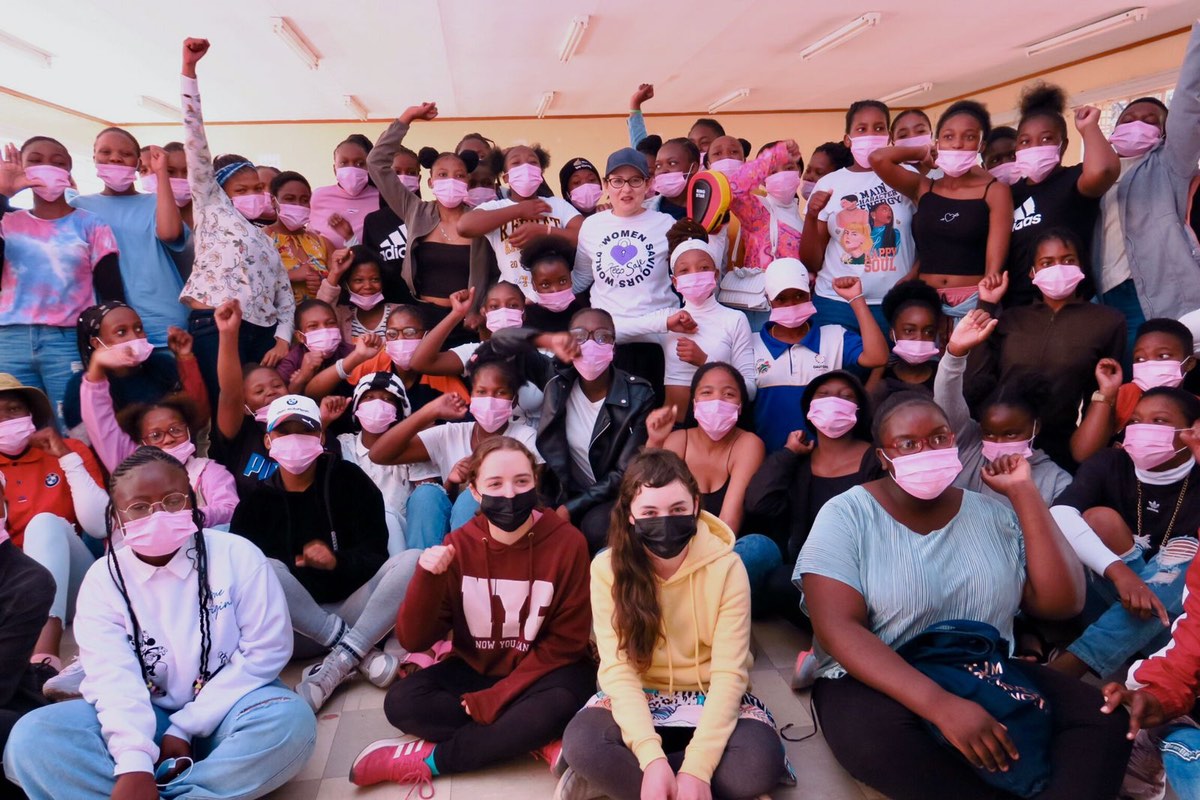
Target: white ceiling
<point x="483" y="58"/>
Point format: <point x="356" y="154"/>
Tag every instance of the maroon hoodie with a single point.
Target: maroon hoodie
<point x="517" y="611"/>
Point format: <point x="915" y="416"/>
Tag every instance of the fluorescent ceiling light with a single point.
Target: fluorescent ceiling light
<point x="841" y="35"/>
<point x="290" y="34"/>
<point x="356" y="105"/>
<point x="544" y="104"/>
<point x="728" y="100"/>
<point x="160" y="108"/>
<point x="574" y="37"/>
<point x="21" y="47"/>
<point x="1087" y="31"/>
<point x="919" y="88"/>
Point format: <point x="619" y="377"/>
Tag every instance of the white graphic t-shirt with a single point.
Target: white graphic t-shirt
<point x="508" y="258"/>
<point x="870" y="233"/>
<point x="624" y="260"/>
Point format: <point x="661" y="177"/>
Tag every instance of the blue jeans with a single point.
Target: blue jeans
<point x="1123" y="297"/>
<point x="1117" y="635"/>
<point x="431" y="515"/>
<point x="838" y="312"/>
<point x="1180" y="750"/>
<point x="760" y="555"/>
<point x="253" y="343"/>
<point x="43" y="357"/>
<point x="58" y="751"/>
<point x="757" y="319"/>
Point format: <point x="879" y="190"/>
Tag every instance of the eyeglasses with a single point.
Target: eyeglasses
<point x="601" y="336"/>
<point x="176" y="501"/>
<point x="906" y="447"/>
<point x="634" y="183"/>
<point x="156" y="438"/>
<point x="392" y="334"/>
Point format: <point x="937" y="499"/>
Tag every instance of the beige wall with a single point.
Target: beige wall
<point x="308" y="147"/>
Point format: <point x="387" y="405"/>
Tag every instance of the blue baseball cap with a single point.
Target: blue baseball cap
<point x="627" y="157"/>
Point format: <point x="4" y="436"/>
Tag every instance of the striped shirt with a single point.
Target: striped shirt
<point x="974" y="568"/>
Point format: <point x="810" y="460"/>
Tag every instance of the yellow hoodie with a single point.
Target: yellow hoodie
<point x="706" y="617"/>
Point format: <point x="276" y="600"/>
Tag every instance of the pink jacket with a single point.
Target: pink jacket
<point x="214" y="484"/>
<point x="751" y="210"/>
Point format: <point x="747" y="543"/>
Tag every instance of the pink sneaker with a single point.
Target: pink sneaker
<point x="552" y="755"/>
<point x="395" y="761"/>
<point x="805" y="674"/>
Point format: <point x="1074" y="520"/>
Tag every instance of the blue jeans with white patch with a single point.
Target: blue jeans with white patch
<point x="264" y="740"/>
<point x="1117" y="635"/>
<point x="1180" y="750"/>
<point x="41" y="356"/>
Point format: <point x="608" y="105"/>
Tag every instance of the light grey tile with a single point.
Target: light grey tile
<point x="314" y="770"/>
<point x="778" y="643"/>
<point x="296" y="790"/>
<point x="786" y="705"/>
<point x="523" y="777"/>
<point x="356" y="730"/>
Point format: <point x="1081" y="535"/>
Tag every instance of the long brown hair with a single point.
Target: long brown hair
<point x="495" y="444"/>
<point x="637" y="617"/>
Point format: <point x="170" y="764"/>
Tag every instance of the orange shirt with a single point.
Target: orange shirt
<point x="382" y="362"/>
<point x="37" y="484"/>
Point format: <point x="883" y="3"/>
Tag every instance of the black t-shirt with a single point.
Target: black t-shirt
<point x="1054" y="203"/>
<point x="547" y="321"/>
<point x="245" y="455"/>
<point x="157" y="377"/>
<point x="387" y="235"/>
<point x="1107" y="479"/>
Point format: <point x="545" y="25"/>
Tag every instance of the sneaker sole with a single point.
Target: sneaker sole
<point x="378" y="744"/>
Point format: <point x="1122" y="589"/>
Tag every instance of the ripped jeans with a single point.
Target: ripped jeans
<point x="1118" y="635"/>
<point x="1180" y="748"/>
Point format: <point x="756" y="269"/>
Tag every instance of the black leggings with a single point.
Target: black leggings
<point x="594" y="525"/>
<point x="752" y="764"/>
<point x="888" y="747"/>
<point x="782" y="596"/>
<point x="428" y="704"/>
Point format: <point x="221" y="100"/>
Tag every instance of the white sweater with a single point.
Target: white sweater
<point x="723" y="334"/>
<point x="251" y="643"/>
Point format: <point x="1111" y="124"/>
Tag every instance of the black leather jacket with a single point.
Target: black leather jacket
<point x="619" y="434"/>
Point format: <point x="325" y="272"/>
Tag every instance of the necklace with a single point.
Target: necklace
<point x="1170" y="525"/>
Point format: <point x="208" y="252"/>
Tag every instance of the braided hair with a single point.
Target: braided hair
<point x="141" y="457"/>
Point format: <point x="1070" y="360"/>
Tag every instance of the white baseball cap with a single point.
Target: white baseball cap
<point x="293" y="407"/>
<point x="783" y="274"/>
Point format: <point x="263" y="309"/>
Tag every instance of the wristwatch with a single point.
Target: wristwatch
<point x="1098" y="397"/>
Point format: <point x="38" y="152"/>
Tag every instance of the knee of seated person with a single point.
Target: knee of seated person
<point x="33" y="734"/>
<point x="46" y="524"/>
<point x="1103" y="520"/>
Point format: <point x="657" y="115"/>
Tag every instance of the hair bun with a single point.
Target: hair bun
<point x="428" y="157"/>
<point x="1043" y="97"/>
<point x="470" y="159"/>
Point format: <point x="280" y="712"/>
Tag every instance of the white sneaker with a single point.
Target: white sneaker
<point x="66" y="684"/>
<point x="379" y="668"/>
<point x="320" y="680"/>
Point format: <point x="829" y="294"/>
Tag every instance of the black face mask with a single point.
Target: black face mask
<point x="508" y="513"/>
<point x="665" y="537"/>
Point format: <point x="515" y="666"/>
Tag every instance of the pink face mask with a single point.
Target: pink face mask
<point x="925" y="475"/>
<point x="400" y="351"/>
<point x="253" y="206"/>
<point x="366" y="301"/>
<point x="585" y="196"/>
<point x="832" y="416"/>
<point x="725" y="166"/>
<point x="148" y="183"/>
<point x="594" y="358"/>
<point x="556" y="301"/>
<point x="1152" y="374"/>
<point x="861" y="148"/>
<point x="55" y="181"/>
<point x="1038" y="162"/>
<point x="375" y="416"/>
<point x="670" y="184"/>
<point x="957" y="162"/>
<point x="450" y="192"/>
<point x="793" y="316"/>
<point x="806" y="188"/>
<point x="502" y="318"/>
<point x="696" y="287"/>
<point x="352" y="179"/>
<point x="492" y="413"/>
<point x="410" y="182"/>
<point x="1149" y="445"/>
<point x="924" y="140"/>
<point x="181" y="452"/>
<point x="323" y="340"/>
<point x="915" y="351"/>
<point x="141" y="348"/>
<point x="716" y="417"/>
<point x="1058" y="281"/>
<point x="524" y="179"/>
<point x="296" y="452"/>
<point x="181" y="190"/>
<point x="1007" y="173"/>
<point x="782" y="185"/>
<point x="294" y="217"/>
<point x="117" y="177"/>
<point x="261" y="414"/>
<point x="14" y="435"/>
<point x="159" y="534"/>
<point x="1132" y="139"/>
<point x="480" y="195"/>
<point x="994" y="450"/>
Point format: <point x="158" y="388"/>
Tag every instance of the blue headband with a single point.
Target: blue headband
<point x="226" y="172"/>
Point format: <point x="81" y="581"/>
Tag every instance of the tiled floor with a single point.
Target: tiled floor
<point x="354" y="717"/>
